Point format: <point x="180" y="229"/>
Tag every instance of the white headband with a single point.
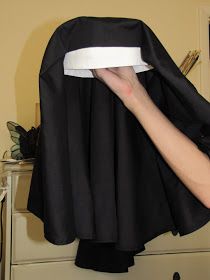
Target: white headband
<point x="78" y="62"/>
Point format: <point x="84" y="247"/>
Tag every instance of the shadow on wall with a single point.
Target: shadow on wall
<point x="27" y="72"/>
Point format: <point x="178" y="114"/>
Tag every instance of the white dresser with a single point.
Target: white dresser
<point x="27" y="255"/>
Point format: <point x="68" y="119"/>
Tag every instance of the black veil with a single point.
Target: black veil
<point x="97" y="175"/>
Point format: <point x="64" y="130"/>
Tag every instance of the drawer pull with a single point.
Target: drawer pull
<point x="176" y="276"/>
<point x="175" y="232"/>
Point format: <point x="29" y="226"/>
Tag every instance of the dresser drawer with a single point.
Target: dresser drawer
<point x="168" y="243"/>
<point x="189" y="266"/>
<point x="29" y="244"/>
<point x="20" y="190"/>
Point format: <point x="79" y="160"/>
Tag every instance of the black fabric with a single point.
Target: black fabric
<point x="97" y="175"/>
<point x="103" y="257"/>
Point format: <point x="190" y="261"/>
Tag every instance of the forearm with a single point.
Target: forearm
<point x="189" y="163"/>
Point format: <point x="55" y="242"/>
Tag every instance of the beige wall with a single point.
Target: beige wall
<point x="26" y="25"/>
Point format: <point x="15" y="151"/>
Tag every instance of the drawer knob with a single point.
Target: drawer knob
<point x="176" y="276"/>
<point x="174" y="232"/>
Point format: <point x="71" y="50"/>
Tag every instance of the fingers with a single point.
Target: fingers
<point x="97" y="74"/>
<point x="94" y="72"/>
<point x="107" y="76"/>
<point x="110" y="78"/>
<point x="102" y="73"/>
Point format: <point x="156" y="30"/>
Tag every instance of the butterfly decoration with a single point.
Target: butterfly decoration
<point x="25" y="141"/>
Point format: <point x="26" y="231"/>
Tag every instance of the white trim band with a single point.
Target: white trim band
<point x="78" y="62"/>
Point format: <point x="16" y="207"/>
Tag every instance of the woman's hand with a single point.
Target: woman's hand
<point x="124" y="82"/>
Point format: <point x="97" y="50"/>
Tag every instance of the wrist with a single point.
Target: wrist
<point x="138" y="99"/>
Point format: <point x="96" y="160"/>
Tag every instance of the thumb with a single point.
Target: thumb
<point x="106" y="75"/>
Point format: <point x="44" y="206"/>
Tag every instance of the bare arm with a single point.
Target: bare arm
<point x="189" y="163"/>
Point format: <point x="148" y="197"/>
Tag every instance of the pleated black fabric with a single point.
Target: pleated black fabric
<point x="97" y="175"/>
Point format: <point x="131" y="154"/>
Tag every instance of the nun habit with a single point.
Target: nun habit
<point x="97" y="175"/>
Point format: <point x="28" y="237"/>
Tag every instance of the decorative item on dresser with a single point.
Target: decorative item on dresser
<point x="25" y="141"/>
<point x="189" y="61"/>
